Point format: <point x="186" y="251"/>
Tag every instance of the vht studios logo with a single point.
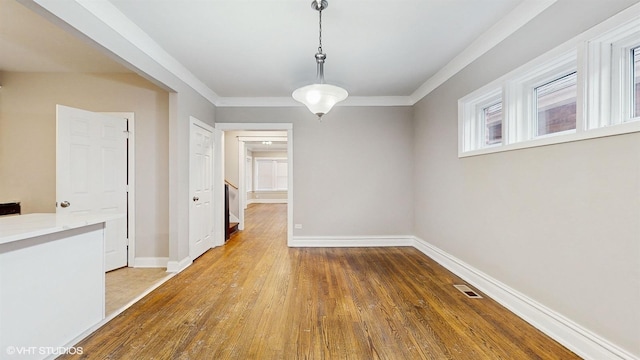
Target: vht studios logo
<point x="43" y="350"/>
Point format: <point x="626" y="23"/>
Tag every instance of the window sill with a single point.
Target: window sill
<point x="626" y="128"/>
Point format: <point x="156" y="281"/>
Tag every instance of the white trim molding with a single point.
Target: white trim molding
<point x="178" y="266"/>
<point x="150" y="262"/>
<point x="105" y="24"/>
<point x="352" y="241"/>
<point x="266" y="201"/>
<point x="575" y="337"/>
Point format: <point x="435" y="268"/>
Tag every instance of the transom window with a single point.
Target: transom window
<point x="556" y="105"/>
<point x="587" y="87"/>
<point x="492" y="116"/>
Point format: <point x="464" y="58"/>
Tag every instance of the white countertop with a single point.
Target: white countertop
<point x="20" y="227"/>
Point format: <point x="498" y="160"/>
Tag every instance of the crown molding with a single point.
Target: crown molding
<point x="508" y="25"/>
<point x="123" y="30"/>
<point x="123" y="26"/>
<point x="289" y="102"/>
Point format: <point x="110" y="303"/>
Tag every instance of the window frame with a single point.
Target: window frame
<point x="610" y="64"/>
<point x="522" y="110"/>
<point x="472" y="119"/>
<point x="274" y="174"/>
<point x="483" y="113"/>
<point x="535" y="131"/>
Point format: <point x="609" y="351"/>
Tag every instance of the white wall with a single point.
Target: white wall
<point x="560" y="223"/>
<point x="352" y="171"/>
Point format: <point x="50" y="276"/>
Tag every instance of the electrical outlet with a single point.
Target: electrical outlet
<point x="298" y="226"/>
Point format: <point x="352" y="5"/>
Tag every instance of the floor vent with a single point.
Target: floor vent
<point x="468" y="291"/>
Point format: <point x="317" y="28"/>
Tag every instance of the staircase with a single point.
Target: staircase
<point x="230" y="227"/>
<point x="233" y="227"/>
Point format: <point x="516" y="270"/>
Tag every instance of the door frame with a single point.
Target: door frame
<point x="242" y="169"/>
<point x="288" y="127"/>
<point x="131" y="186"/>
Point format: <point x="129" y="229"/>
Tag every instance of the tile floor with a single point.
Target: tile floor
<point x="126" y="284"/>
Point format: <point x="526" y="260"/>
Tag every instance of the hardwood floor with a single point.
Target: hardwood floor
<point x="254" y="298"/>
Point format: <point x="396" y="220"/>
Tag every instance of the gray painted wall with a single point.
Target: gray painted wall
<point x="559" y="223"/>
<point x="183" y="104"/>
<point x="351" y="172"/>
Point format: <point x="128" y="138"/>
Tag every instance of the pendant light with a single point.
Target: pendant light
<point x="320" y="97"/>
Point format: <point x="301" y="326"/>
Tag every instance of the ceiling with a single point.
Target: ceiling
<point x="265" y="48"/>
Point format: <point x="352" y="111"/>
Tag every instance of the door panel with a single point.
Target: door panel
<point x="91" y="173"/>
<point x="201" y="211"/>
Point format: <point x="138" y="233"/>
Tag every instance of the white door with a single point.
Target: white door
<point x="201" y="211"/>
<point x="91" y="173"/>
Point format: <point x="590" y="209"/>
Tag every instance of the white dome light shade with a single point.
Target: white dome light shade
<point x="320" y="98"/>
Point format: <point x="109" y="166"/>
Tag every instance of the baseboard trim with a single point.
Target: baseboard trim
<point x="267" y="201"/>
<point x="351" y="241"/>
<point x="573" y="336"/>
<point x="178" y="266"/>
<point x="150" y="262"/>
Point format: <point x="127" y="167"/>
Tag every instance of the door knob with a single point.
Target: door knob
<point x="195" y="198"/>
<point x="65" y="204"/>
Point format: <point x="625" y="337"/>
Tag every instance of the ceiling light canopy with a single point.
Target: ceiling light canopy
<point x="320" y="97"/>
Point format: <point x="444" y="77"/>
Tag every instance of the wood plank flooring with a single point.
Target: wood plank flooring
<point x="254" y="298"/>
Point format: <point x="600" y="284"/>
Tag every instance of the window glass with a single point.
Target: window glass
<point x="271" y="174"/>
<point x="636" y="81"/>
<point x="493" y="124"/>
<point x="264" y="175"/>
<point x="556" y="105"/>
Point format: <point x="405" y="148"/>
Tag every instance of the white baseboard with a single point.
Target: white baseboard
<point x="573" y="336"/>
<point x="266" y="201"/>
<point x="178" y="266"/>
<point x="151" y="262"/>
<point x="351" y="241"/>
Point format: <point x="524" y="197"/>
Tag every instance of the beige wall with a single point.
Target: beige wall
<point x="351" y="171"/>
<point x="28" y="138"/>
<point x="560" y="223"/>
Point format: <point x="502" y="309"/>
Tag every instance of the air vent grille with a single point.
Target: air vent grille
<point x="470" y="293"/>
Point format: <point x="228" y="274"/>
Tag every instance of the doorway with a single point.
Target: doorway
<point x="93" y="165"/>
<point x="241" y="161"/>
